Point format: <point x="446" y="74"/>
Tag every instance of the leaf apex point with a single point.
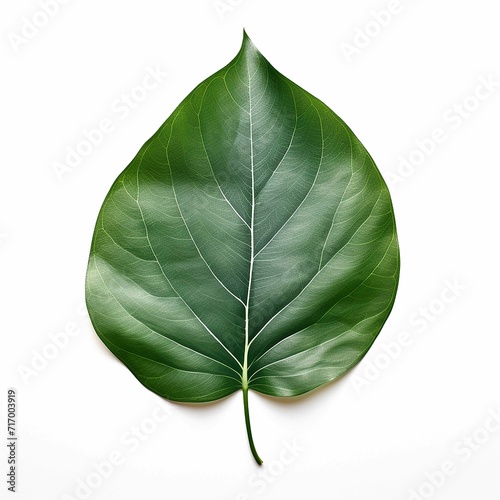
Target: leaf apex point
<point x="247" y="42"/>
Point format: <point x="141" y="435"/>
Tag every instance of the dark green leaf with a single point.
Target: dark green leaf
<point x="250" y="244"/>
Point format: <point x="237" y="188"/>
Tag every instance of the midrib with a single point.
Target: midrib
<point x="252" y="249"/>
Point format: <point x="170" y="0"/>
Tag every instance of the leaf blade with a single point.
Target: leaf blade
<point x="250" y="244"/>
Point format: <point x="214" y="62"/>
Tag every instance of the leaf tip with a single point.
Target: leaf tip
<point x="247" y="43"/>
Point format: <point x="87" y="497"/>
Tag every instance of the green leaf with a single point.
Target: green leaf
<point x="250" y="244"/>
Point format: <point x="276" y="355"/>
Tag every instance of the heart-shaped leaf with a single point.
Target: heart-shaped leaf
<point x="250" y="244"/>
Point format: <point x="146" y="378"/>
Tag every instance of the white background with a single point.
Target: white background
<point x="377" y="432"/>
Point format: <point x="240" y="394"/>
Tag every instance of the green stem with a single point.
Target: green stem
<point x="249" y="429"/>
